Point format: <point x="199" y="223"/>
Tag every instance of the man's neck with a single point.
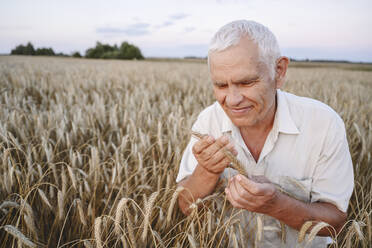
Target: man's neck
<point x="255" y="136"/>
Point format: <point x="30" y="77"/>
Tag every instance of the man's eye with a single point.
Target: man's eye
<point x="248" y="83"/>
<point x="221" y="85"/>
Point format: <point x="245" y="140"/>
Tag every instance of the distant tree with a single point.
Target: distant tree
<point x="61" y="55"/>
<point x="105" y="51"/>
<point x="24" y="50"/>
<point x="76" y="55"/>
<point x="98" y="51"/>
<point x="29" y="50"/>
<point x="44" y="52"/>
<point x="129" y="51"/>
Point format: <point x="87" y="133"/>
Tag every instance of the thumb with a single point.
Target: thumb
<point x="249" y="185"/>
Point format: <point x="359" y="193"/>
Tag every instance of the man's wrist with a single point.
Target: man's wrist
<point x="204" y="172"/>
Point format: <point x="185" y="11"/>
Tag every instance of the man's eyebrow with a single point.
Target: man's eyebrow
<point x="242" y="80"/>
<point x="247" y="79"/>
<point x="218" y="83"/>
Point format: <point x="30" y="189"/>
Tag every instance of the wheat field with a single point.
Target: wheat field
<point x="90" y="151"/>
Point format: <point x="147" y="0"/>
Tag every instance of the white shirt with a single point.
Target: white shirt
<point x="306" y="152"/>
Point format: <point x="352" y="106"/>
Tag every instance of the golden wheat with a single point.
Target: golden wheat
<point x="85" y="134"/>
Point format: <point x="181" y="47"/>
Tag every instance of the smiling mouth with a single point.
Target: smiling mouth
<point x="240" y="110"/>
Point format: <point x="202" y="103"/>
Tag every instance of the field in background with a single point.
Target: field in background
<point x="89" y="151"/>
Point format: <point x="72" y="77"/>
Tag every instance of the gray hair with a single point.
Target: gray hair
<point x="231" y="33"/>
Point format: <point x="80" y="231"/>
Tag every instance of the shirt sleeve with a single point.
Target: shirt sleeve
<point x="333" y="179"/>
<point x="188" y="161"/>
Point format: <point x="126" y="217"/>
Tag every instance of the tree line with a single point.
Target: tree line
<point x="100" y="51"/>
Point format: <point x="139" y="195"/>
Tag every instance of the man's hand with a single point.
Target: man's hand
<point x="210" y="153"/>
<point x="255" y="195"/>
<point x="259" y="195"/>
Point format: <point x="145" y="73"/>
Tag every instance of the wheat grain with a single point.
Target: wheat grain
<point x="356" y="226"/>
<point x="119" y="213"/>
<point x="30" y="223"/>
<point x="72" y="177"/>
<point x="9" y="204"/>
<point x="44" y="198"/>
<point x="97" y="232"/>
<point x="19" y="236"/>
<point x="61" y="205"/>
<point x="148" y="211"/>
<point x="87" y="244"/>
<point x="315" y="230"/>
<point x="303" y="230"/>
<point x="81" y="212"/>
<point x="173" y="202"/>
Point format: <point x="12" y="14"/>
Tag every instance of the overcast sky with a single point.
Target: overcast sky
<point x="317" y="29"/>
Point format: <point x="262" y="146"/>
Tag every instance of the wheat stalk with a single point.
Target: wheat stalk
<point x="260" y="227"/>
<point x="192" y="241"/>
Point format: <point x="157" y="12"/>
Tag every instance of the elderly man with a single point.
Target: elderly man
<point x="282" y="139"/>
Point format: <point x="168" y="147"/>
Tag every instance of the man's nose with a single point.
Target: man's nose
<point x="234" y="96"/>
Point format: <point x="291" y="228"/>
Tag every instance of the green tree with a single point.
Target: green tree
<point x="105" y="51"/>
<point x="24" y="50"/>
<point x="129" y="51"/>
<point x="44" y="52"/>
<point x="76" y="55"/>
<point x="29" y="50"/>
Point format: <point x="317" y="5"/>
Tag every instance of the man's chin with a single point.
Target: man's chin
<point x="241" y="122"/>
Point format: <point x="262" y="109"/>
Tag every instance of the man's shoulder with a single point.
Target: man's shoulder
<point x="309" y="108"/>
<point x="212" y="111"/>
<point x="211" y="119"/>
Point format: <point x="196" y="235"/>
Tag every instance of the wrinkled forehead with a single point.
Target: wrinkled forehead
<point x="245" y="47"/>
<point x="245" y="51"/>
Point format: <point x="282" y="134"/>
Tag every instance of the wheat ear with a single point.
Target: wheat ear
<point x="97" y="232"/>
<point x="81" y="212"/>
<point x="173" y="202"/>
<point x="315" y="230"/>
<point x="44" y="198"/>
<point x="148" y="211"/>
<point x="119" y="213"/>
<point x="303" y="230"/>
<point x="20" y="236"/>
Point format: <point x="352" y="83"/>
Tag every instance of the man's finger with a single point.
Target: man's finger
<point x="231" y="199"/>
<point x="251" y="186"/>
<point x="215" y="147"/>
<point x="202" y="144"/>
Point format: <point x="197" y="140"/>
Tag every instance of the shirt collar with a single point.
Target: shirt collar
<point x="283" y="121"/>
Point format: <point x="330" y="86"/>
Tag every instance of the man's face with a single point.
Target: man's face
<point x="242" y="85"/>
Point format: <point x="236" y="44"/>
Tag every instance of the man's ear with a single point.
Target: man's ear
<point x="280" y="71"/>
